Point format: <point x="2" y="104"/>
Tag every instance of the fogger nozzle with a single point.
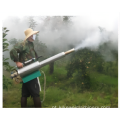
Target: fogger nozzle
<point x="69" y="51"/>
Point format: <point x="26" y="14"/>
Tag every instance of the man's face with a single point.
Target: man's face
<point x="30" y="38"/>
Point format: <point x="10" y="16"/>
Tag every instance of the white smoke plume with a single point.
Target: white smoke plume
<point x="80" y="32"/>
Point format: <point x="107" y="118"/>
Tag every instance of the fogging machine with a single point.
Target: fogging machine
<point x="31" y="67"/>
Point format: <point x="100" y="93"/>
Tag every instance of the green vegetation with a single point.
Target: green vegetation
<point x="6" y="65"/>
<point x="63" y="92"/>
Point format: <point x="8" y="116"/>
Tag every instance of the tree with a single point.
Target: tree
<point x="52" y="52"/>
<point x="5" y="43"/>
<point x="6" y="65"/>
<point x="14" y="41"/>
<point x="82" y="62"/>
<point x="32" y="23"/>
<point x="56" y="23"/>
<point x="67" y="21"/>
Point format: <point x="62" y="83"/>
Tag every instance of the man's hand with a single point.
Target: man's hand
<point x="19" y="64"/>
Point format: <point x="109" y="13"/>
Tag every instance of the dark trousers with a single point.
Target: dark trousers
<point x="30" y="88"/>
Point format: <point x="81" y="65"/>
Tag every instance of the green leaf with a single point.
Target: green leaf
<point x="4" y="40"/>
<point x="5" y="59"/>
<point x="5" y="47"/>
<point x="6" y="44"/>
<point x="4" y="28"/>
<point x="4" y="35"/>
<point x="5" y="63"/>
<point x="5" y="50"/>
<point x="7" y="30"/>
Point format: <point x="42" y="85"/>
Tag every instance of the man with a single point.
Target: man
<point x="26" y="51"/>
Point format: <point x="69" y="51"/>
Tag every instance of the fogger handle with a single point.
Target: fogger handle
<point x="30" y="61"/>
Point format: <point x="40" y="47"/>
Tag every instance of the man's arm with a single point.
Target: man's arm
<point x="14" y="54"/>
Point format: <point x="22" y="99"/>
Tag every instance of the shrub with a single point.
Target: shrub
<point x="6" y="82"/>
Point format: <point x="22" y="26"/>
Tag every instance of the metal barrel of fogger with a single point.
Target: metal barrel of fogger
<point x="37" y="65"/>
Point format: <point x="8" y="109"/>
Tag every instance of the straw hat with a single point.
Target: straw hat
<point x="29" y="32"/>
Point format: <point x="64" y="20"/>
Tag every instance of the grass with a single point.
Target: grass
<point x="60" y="92"/>
<point x="104" y="78"/>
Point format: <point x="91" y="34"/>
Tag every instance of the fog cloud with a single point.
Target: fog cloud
<point x="79" y="31"/>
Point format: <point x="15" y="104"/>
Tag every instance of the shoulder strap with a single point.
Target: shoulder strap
<point x="35" y="52"/>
